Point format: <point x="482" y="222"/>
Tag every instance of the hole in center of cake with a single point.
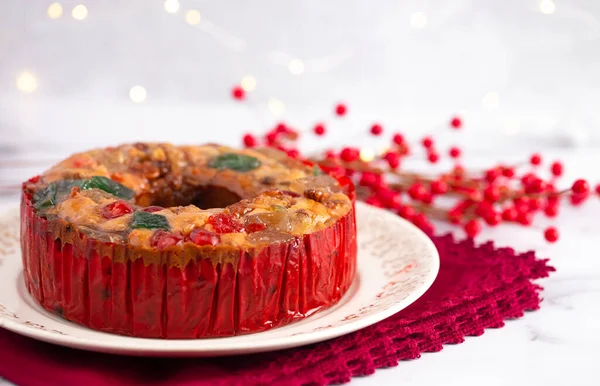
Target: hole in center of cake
<point x="212" y="196"/>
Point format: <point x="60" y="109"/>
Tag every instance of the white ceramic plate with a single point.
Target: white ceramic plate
<point x="396" y="264"/>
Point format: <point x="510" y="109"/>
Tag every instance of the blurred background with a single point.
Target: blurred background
<point x="78" y="74"/>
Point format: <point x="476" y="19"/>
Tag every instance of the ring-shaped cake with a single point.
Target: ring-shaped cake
<point x="180" y="242"/>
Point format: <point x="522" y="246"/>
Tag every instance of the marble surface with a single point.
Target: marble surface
<point x="556" y="345"/>
<point x="522" y="73"/>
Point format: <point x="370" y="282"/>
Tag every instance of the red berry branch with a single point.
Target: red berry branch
<point x="501" y="194"/>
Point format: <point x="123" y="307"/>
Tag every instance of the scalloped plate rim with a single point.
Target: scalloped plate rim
<point x="258" y="342"/>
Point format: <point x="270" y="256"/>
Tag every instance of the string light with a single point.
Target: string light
<point x="171" y="6"/>
<point x="137" y="94"/>
<point x="55" y="11"/>
<point x="79" y="12"/>
<point x="547" y="7"/>
<point x="490" y="101"/>
<point x="27" y="82"/>
<point x="296" y="66"/>
<point x="192" y="17"/>
<point x="418" y="20"/>
<point x="367" y="155"/>
<point x="248" y="83"/>
<point x="276" y="107"/>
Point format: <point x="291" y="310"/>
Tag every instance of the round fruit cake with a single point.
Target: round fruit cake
<point x="162" y="241"/>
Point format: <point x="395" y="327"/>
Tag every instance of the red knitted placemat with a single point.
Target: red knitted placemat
<point x="478" y="287"/>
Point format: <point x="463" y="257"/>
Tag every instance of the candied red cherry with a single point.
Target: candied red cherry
<point x="152" y="209"/>
<point x="225" y="223"/>
<point x="203" y="237"/>
<point x="163" y="239"/>
<point x="255" y="227"/>
<point x="117" y="209"/>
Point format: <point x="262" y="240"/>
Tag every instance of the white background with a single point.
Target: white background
<point x="523" y="81"/>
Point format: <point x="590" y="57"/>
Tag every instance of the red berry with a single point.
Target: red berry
<point x="407" y="212"/>
<point x="224" y="223"/>
<point x="373" y="201"/>
<point x="598" y="189"/>
<point x="439" y="187"/>
<point x="580" y="187"/>
<point x="238" y="93"/>
<point x="493" y="218"/>
<point x="281" y="128"/>
<point x="204" y="237"/>
<point x="416" y="191"/>
<point x="117" y="209"/>
<point x="535" y="159"/>
<point x="388" y="197"/>
<point x="455" y="216"/>
<point x="293" y="153"/>
<point x="578" y="199"/>
<point x="152" y="209"/>
<point x="433" y="157"/>
<point x="508" y="172"/>
<point x="163" y="239"/>
<point x="393" y="159"/>
<point x="330" y="154"/>
<point x="398" y="139"/>
<point x="557" y="169"/>
<point x="456" y="122"/>
<point x="427" y="142"/>
<point x="319" y="129"/>
<point x="349" y="154"/>
<point x="340" y="109"/>
<point x="525" y="218"/>
<point x="535" y="186"/>
<point x="472" y="228"/>
<point x="535" y="204"/>
<point x="250" y="140"/>
<point x="376" y="129"/>
<point x="551" y="210"/>
<point x="509" y="214"/>
<point x="369" y="179"/>
<point x="454" y="152"/>
<point x="551" y="234"/>
<point x="492" y="175"/>
<point x="492" y="193"/>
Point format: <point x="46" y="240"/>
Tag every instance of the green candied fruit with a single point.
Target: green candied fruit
<point x="53" y="193"/>
<point x="109" y="186"/>
<point x="316" y="171"/>
<point x="149" y="221"/>
<point x="233" y="161"/>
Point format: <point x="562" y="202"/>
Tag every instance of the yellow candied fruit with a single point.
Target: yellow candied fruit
<point x="159" y="154"/>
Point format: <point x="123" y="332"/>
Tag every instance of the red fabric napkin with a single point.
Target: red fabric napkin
<point x="478" y="287"/>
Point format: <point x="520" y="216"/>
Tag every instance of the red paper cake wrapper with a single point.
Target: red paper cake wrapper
<point x="166" y="294"/>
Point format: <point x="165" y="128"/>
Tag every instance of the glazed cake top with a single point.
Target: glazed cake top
<point x="156" y="195"/>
